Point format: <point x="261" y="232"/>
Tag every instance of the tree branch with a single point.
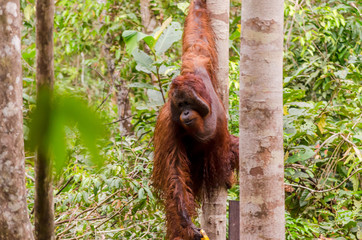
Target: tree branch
<point x="325" y="190"/>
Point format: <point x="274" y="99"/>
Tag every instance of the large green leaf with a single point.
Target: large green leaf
<point x="131" y="38"/>
<point x="155" y="97"/>
<point x="144" y="62"/>
<point x="173" y="33"/>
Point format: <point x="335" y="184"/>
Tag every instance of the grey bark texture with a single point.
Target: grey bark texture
<point x="213" y="218"/>
<point x="14" y="220"/>
<point x="43" y="205"/>
<point x="261" y="121"/>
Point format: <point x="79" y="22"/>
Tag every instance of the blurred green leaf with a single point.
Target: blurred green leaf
<point x="78" y="114"/>
<point x="52" y="116"/>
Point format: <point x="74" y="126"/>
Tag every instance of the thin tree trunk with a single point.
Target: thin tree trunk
<point x="124" y="107"/>
<point x="219" y="11"/>
<point x="122" y="91"/>
<point x="117" y="83"/>
<point x="14" y="220"/>
<point x="213" y="218"/>
<point x="43" y="205"/>
<point x="261" y="121"/>
<point x="148" y="21"/>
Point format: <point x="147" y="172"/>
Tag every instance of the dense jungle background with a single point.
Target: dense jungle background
<point x="105" y="56"/>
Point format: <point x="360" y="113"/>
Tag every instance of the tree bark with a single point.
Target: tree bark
<point x="213" y="218"/>
<point x="261" y="121"/>
<point x="43" y="205"/>
<point x="219" y="12"/>
<point x="124" y="107"/>
<point x="148" y="21"/>
<point x="123" y="104"/>
<point x="14" y="220"/>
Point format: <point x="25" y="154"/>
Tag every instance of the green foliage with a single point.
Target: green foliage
<point x="120" y="190"/>
<point x="322" y="114"/>
<point x="234" y="97"/>
<point x="116" y="201"/>
<point x="49" y="120"/>
<point x="153" y="62"/>
<point x="322" y="109"/>
<point x="297" y="227"/>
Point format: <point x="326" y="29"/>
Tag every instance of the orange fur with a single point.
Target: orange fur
<point x="192" y="160"/>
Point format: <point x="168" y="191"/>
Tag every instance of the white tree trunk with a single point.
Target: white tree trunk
<point x="219" y="11"/>
<point x="261" y="121"/>
<point x="14" y="220"/>
<point x="213" y="218"/>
